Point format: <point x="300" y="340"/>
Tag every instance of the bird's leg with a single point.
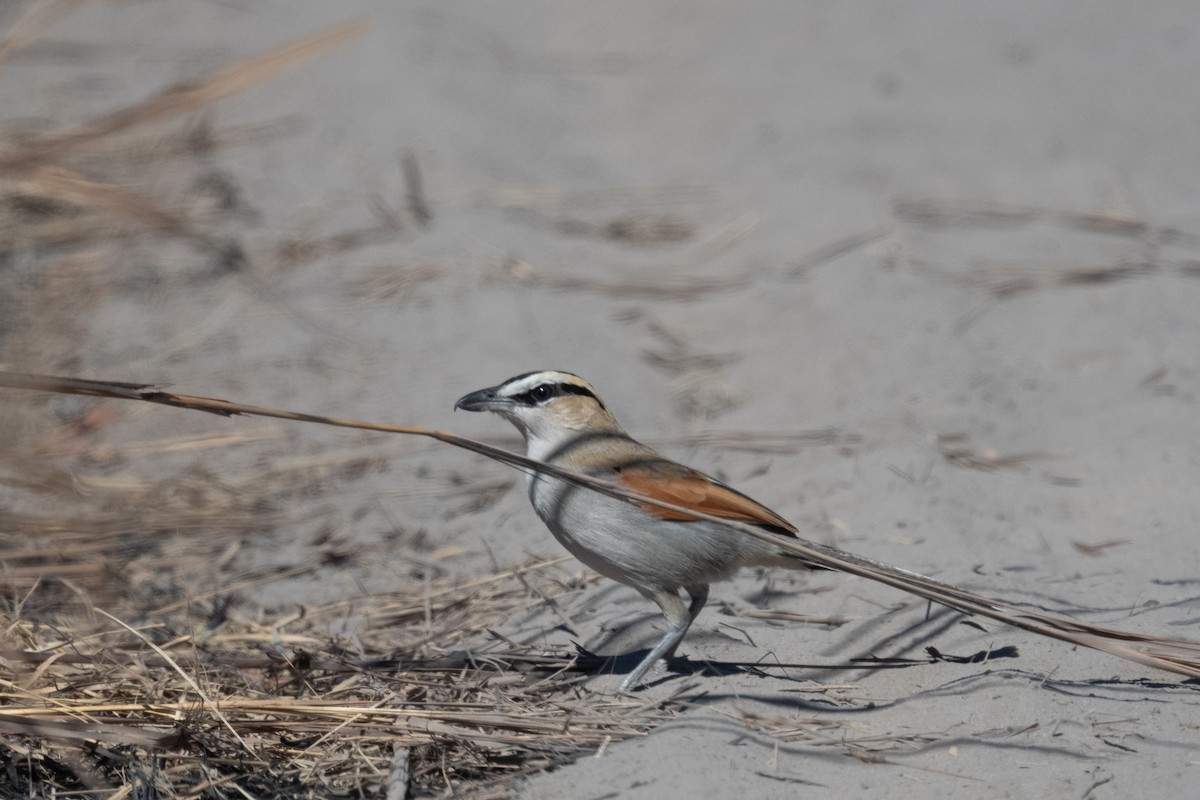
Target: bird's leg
<point x="678" y="620"/>
<point x="699" y="595"/>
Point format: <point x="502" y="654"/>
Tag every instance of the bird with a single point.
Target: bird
<point x="662" y="553"/>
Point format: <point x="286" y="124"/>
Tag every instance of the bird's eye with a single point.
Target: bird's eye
<point x="541" y="393"/>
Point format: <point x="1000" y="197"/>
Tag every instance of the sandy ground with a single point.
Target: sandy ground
<point x="921" y="269"/>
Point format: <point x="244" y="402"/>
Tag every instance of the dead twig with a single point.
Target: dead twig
<point x="1174" y="655"/>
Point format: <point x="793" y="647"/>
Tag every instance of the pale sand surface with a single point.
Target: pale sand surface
<point x="1000" y="391"/>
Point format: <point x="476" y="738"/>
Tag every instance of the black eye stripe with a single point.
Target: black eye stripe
<point x="546" y="391"/>
<point x="574" y="388"/>
<point x="526" y="399"/>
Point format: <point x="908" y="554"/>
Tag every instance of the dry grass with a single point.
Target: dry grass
<point x="283" y="707"/>
<point x="666" y="287"/>
<point x="1002" y="280"/>
<point x="1181" y="656"/>
<point x="130" y="666"/>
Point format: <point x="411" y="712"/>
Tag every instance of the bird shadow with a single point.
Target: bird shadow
<point x="625" y="663"/>
<point x="682" y="666"/>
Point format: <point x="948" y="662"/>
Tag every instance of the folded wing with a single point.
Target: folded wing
<point x="681" y="486"/>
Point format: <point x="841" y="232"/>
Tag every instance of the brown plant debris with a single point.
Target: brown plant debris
<point x="1181" y="656"/>
<point x="837" y="249"/>
<point x="554" y="198"/>
<point x="1003" y="280"/>
<point x="1097" y="548"/>
<point x="667" y="287"/>
<point x="55" y="192"/>
<point x="635" y="229"/>
<point x="957" y="450"/>
<point x="414" y="185"/>
<point x="279" y="707"/>
<point x="181" y="98"/>
<point x="946" y="214"/>
<point x="1009" y="280"/>
<point x="393" y="283"/>
<point x="773" y="442"/>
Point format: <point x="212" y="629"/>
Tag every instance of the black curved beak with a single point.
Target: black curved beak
<point x="482" y="400"/>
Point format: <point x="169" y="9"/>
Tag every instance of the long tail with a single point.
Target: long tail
<point x="1174" y="655"/>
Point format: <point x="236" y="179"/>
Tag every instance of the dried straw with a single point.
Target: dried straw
<point x="279" y="709"/>
<point x="1167" y="653"/>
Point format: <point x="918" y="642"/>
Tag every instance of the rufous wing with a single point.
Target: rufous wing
<point x="692" y="489"/>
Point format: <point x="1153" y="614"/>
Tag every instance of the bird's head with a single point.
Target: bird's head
<point x="546" y="407"/>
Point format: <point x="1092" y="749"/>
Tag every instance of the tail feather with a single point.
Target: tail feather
<point x="1174" y="655"/>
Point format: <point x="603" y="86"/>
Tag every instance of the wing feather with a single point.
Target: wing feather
<point x="673" y="483"/>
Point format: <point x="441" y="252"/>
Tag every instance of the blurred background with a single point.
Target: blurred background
<point x="921" y="276"/>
